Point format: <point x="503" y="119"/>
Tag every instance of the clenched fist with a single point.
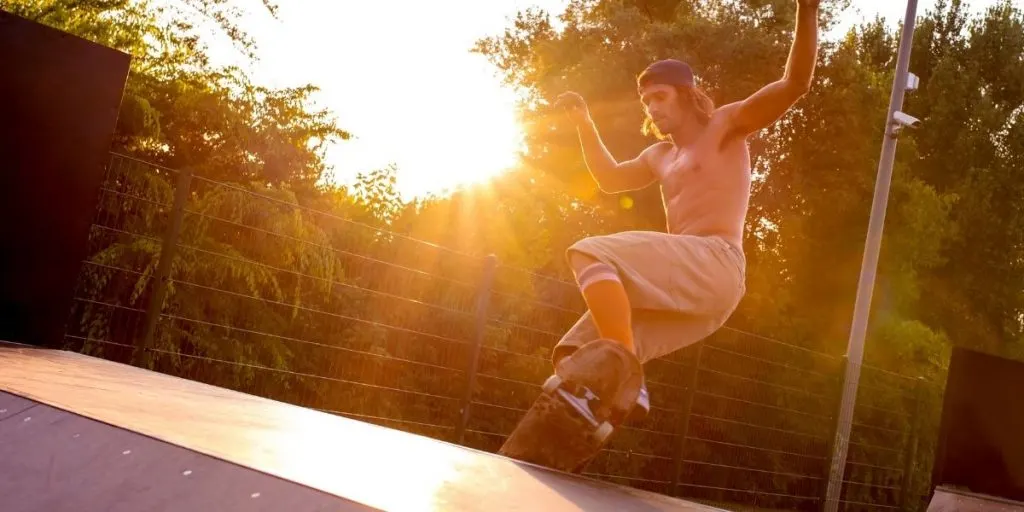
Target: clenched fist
<point x="574" y="106"/>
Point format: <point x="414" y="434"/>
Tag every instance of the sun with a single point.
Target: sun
<point x="456" y="124"/>
<point x="467" y="141"/>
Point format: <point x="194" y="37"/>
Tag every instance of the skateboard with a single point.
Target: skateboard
<point x="590" y="394"/>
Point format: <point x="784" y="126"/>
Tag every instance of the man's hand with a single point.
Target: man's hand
<point x="768" y="104"/>
<point x="574" y="106"/>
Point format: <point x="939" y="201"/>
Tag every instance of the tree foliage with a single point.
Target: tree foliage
<point x="182" y="111"/>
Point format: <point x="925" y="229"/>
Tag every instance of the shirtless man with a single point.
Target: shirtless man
<point x="659" y="292"/>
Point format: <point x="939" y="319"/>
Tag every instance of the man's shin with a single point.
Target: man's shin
<point x="608" y="303"/>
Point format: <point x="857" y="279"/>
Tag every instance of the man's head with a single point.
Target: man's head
<point x="671" y="98"/>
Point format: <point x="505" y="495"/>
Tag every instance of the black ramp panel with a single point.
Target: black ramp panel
<point x="56" y="461"/>
<point x="980" y="443"/>
<point x="61" y="97"/>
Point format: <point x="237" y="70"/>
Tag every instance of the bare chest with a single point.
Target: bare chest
<point x="702" y="169"/>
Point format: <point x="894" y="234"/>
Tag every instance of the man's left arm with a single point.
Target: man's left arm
<point x="769" y="103"/>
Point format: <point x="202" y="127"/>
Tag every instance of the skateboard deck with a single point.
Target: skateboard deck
<point x="590" y="394"/>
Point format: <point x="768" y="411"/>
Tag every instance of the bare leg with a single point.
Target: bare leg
<point x="605" y="297"/>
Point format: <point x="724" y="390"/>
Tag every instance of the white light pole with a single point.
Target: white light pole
<point x="895" y="122"/>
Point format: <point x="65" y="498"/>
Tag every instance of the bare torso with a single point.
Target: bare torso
<point x="705" y="187"/>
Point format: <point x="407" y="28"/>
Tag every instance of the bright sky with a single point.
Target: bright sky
<point x="410" y="91"/>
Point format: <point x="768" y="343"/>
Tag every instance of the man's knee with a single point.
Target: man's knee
<point x="581" y="253"/>
<point x="590" y="271"/>
<point x="579" y="261"/>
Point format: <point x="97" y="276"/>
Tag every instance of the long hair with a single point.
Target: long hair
<point x="689" y="98"/>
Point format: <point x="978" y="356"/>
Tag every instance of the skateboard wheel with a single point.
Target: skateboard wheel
<point x="552" y="384"/>
<point x="603" y="432"/>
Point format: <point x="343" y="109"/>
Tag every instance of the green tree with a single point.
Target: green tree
<point x="972" y="147"/>
<point x="180" y="110"/>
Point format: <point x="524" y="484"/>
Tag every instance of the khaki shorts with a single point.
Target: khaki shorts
<point x="682" y="288"/>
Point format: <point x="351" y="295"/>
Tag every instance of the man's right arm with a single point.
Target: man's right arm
<point x="613" y="176"/>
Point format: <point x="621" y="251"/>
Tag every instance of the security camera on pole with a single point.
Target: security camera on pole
<point x="896" y="121"/>
<point x="900" y="119"/>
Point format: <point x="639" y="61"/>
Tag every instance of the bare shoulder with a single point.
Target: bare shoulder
<point x="655" y="156"/>
<point x="654" y="153"/>
<point x="723" y="124"/>
<point x="724" y="115"/>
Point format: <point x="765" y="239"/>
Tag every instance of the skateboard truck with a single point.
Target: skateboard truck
<point x="603" y="429"/>
<point x="602" y="381"/>
<point x="591" y="392"/>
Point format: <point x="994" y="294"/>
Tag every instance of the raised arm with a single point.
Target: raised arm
<point x="768" y="104"/>
<point x="611" y="175"/>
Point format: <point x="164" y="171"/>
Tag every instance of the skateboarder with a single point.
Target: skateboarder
<point x="658" y="292"/>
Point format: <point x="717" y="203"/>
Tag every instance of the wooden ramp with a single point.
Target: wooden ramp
<point x="81" y="433"/>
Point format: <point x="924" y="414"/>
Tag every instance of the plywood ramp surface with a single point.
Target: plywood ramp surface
<point x="367" y="464"/>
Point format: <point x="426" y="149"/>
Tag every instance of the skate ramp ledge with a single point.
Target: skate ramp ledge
<point x="948" y="499"/>
<point x="321" y="455"/>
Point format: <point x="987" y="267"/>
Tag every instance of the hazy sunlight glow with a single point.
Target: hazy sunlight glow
<point x="467" y="142"/>
<point x="400" y="77"/>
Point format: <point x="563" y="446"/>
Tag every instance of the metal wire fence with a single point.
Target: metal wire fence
<point x="243" y="287"/>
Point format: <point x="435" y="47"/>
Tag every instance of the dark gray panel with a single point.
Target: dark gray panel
<point x="11" y="405"/>
<point x="54" y="461"/>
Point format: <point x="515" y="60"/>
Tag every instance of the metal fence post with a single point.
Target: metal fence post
<point x="482" y="302"/>
<point x="167" y="250"/>
<point x="910" y="453"/>
<point x="683" y="423"/>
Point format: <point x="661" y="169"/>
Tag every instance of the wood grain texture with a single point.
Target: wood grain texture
<point x="376" y="466"/>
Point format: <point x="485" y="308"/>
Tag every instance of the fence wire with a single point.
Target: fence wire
<point x="270" y="297"/>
